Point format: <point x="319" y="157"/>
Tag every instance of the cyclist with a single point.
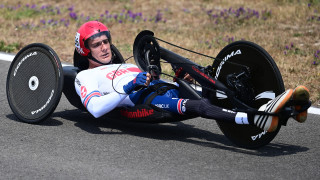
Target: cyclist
<point x="105" y="86"/>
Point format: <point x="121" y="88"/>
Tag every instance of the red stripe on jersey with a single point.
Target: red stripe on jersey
<point x="87" y="99"/>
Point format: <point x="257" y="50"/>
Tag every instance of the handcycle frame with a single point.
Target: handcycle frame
<point x="201" y="75"/>
<point x="231" y="81"/>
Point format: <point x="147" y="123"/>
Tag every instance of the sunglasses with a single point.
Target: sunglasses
<point x="98" y="44"/>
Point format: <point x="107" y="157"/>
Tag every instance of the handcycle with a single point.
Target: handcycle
<point x="242" y="77"/>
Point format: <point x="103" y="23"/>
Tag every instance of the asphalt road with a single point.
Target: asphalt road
<point x="73" y="145"/>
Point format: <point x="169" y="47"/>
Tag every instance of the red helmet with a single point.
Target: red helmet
<point x="89" y="30"/>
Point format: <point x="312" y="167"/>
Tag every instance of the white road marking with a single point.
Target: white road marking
<point x="314" y="110"/>
<point x="6" y="56"/>
<point x="10" y="57"/>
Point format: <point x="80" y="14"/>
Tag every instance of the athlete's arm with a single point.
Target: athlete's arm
<point x="87" y="85"/>
<point x="92" y="99"/>
<point x="100" y="105"/>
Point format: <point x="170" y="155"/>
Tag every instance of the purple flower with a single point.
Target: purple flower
<point x="43" y="21"/>
<point x="256" y="13"/>
<point x="186" y="10"/>
<point x="33" y="6"/>
<point x="43" y="7"/>
<point x="287" y="47"/>
<point x="129" y="13"/>
<point x="285" y="52"/>
<point x="71" y="8"/>
<point x="50" y="21"/>
<point x="73" y="15"/>
<point x="67" y="23"/>
<point x="312" y="17"/>
<point x="241" y="9"/>
<point x="158" y="16"/>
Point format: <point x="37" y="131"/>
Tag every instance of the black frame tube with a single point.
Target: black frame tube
<point x="195" y="70"/>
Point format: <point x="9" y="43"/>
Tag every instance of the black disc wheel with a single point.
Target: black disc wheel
<point x="265" y="83"/>
<point x="34" y="83"/>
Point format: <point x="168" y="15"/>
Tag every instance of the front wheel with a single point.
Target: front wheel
<point x="265" y="84"/>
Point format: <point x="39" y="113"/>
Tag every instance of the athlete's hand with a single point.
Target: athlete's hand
<point x="148" y="80"/>
<point x="141" y="80"/>
<point x="188" y="78"/>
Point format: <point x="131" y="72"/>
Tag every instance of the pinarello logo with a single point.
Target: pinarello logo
<point x="83" y="91"/>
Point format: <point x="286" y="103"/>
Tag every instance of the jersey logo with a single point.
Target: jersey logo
<point x="114" y="74"/>
<point x="83" y="91"/>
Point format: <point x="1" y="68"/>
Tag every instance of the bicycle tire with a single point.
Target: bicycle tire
<point x="266" y="78"/>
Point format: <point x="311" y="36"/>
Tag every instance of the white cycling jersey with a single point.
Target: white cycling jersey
<point x="101" y="88"/>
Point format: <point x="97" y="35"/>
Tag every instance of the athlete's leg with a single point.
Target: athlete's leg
<point x="201" y="108"/>
<point x="205" y="109"/>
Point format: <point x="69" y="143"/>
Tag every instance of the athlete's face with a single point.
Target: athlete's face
<point x="100" y="49"/>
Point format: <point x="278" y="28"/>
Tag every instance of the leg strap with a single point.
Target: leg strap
<point x="158" y="89"/>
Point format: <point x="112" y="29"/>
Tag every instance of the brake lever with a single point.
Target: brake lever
<point x="154" y="71"/>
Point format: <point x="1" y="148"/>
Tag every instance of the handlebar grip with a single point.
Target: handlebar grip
<point x="139" y="87"/>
